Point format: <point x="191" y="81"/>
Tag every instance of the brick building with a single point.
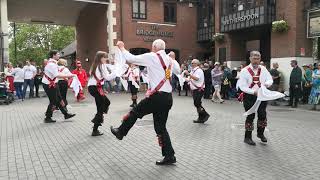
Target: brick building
<point x="139" y="22"/>
<point x="247" y="25"/>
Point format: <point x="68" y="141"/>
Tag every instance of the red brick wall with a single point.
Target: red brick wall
<point x="288" y="44"/>
<point x="185" y="31"/>
<point x="91" y="28"/>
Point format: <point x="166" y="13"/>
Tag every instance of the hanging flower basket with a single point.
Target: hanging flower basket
<point x="218" y="37"/>
<point x="280" y="26"/>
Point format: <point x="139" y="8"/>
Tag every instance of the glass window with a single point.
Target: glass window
<point x="234" y="6"/>
<point x="170" y="12"/>
<point x="139" y="9"/>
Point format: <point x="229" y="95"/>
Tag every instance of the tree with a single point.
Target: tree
<point x="34" y="41"/>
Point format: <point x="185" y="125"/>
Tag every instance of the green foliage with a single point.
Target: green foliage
<point x="280" y="26"/>
<point x="34" y="41"/>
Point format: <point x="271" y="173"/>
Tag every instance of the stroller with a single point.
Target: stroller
<point x="6" y="96"/>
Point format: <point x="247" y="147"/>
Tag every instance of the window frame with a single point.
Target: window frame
<point x="171" y="4"/>
<point x="139" y="14"/>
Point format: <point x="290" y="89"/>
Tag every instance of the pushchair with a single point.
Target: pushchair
<point x="6" y="96"/>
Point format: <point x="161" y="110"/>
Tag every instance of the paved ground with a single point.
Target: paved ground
<point x="31" y="149"/>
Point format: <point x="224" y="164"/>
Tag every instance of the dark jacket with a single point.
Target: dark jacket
<point x="296" y="76"/>
<point x="207" y="77"/>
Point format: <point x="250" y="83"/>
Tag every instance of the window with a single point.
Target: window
<point x="205" y="20"/>
<point x="139" y="9"/>
<point x="234" y="6"/>
<point x="170" y="12"/>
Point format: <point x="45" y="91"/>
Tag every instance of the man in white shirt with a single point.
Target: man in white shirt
<point x="29" y="73"/>
<point x="159" y="97"/>
<point x="49" y="81"/>
<point x="252" y="77"/>
<point x="197" y="85"/>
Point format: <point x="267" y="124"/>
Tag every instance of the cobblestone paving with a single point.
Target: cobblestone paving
<point x="31" y="149"/>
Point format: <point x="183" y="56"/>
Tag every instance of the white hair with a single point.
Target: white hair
<point x="159" y="44"/>
<point x="196" y="61"/>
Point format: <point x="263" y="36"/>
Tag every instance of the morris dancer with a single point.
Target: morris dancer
<point x="133" y="81"/>
<point x="63" y="82"/>
<point x="252" y="77"/>
<point x="99" y="72"/>
<point x="159" y="96"/>
<point x="197" y="86"/>
<point x="49" y="80"/>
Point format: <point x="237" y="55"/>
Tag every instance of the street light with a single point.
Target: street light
<point x="2" y="34"/>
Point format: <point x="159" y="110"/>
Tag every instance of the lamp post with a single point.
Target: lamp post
<point x="2" y="49"/>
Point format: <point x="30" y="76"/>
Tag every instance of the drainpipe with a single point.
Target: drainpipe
<point x="121" y="21"/>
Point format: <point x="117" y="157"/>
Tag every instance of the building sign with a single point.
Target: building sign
<point x="241" y="19"/>
<point x="313" y="24"/>
<point x="149" y="35"/>
<point x="248" y="18"/>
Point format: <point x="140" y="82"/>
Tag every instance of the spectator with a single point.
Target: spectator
<point x="276" y="76"/>
<point x="225" y="86"/>
<point x="37" y="78"/>
<point x="295" y="84"/>
<point x="307" y="83"/>
<point x="216" y="75"/>
<point x="18" y="75"/>
<point x="9" y="77"/>
<point x="314" y="98"/>
<point x="29" y="73"/>
<point x="207" y="80"/>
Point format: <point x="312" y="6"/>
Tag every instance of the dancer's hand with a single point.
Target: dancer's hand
<point x="120" y="45"/>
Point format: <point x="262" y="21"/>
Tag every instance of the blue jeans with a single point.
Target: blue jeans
<point x="118" y="85"/>
<point x="107" y="86"/>
<point x="18" y="87"/>
<point x="30" y="83"/>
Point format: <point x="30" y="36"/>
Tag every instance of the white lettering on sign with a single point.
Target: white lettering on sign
<point x="240" y="19"/>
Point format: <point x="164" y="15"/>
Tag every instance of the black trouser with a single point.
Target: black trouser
<point x="248" y="102"/>
<point x="133" y="89"/>
<point x="306" y="94"/>
<point x="63" y="88"/>
<point x="197" y="96"/>
<point x="159" y="105"/>
<point x="295" y="92"/>
<point x="225" y="91"/>
<point x="55" y="100"/>
<point x="207" y="91"/>
<point x="185" y="87"/>
<point x="102" y="104"/>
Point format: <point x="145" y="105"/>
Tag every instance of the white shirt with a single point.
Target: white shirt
<point x="63" y="70"/>
<point x="51" y="70"/>
<point x="133" y="74"/>
<point x="29" y="71"/>
<point x="155" y="71"/>
<point x="105" y="74"/>
<point x="245" y="79"/>
<point x="18" y="74"/>
<point x="197" y="72"/>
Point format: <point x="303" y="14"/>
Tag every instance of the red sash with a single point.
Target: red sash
<point x="99" y="85"/>
<point x="201" y="88"/>
<point x="52" y="83"/>
<point x="255" y="78"/>
<point x="158" y="87"/>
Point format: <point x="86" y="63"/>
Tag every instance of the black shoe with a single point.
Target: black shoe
<point x="96" y="133"/>
<point x="49" y="120"/>
<point x="263" y="138"/>
<point x="116" y="132"/>
<point x="167" y="161"/>
<point x="249" y="141"/>
<point x="68" y="116"/>
<point x="205" y="118"/>
<point x="197" y="121"/>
